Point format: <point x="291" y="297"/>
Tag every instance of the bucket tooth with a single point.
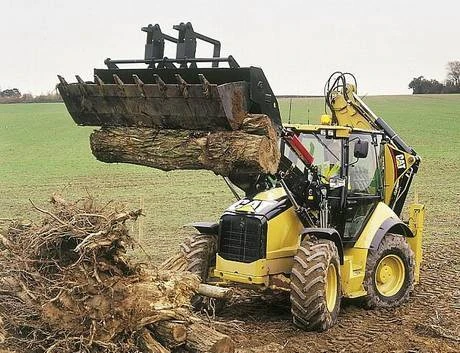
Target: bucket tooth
<point x="205" y="85"/>
<point x="98" y="80"/>
<point x="138" y="80"/>
<point x="183" y="85"/>
<point x="81" y="85"/>
<point x="79" y="79"/>
<point x="119" y="83"/>
<point x="140" y="85"/>
<point x="117" y="80"/>
<point x="62" y="80"/>
<point x="161" y="85"/>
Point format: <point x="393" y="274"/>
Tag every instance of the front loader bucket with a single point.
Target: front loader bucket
<point x="180" y="113"/>
<point x="191" y="98"/>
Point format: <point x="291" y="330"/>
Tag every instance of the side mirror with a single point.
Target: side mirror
<point x="361" y="149"/>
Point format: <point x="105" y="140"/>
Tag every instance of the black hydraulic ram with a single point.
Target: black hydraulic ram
<point x="381" y="124"/>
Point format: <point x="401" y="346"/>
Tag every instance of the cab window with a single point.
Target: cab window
<point x="364" y="184"/>
<point x="327" y="154"/>
<point x="364" y="173"/>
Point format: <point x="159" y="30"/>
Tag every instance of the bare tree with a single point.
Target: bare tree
<point x="453" y="72"/>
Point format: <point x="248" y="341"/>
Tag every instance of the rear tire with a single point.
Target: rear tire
<point x="389" y="275"/>
<point x="200" y="252"/>
<point x="315" y="285"/>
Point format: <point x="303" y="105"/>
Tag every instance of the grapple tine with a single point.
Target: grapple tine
<point x="161" y="85"/>
<point x="183" y="85"/>
<point x="171" y="93"/>
<point x="62" y="80"/>
<point x="140" y="85"/>
<point x="98" y="80"/>
<point x="159" y="81"/>
<point x="138" y="80"/>
<point x="81" y="85"/>
<point x="79" y="79"/>
<point x="117" y="80"/>
<point x="206" y="86"/>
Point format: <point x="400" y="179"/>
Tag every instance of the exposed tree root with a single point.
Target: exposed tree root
<point x="67" y="285"/>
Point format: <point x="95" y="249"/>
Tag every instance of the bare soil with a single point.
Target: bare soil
<point x="429" y="322"/>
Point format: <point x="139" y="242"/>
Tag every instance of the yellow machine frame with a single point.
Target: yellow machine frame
<point x="283" y="233"/>
<point x="283" y="241"/>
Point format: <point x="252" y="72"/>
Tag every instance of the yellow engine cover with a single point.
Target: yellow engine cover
<point x="282" y="243"/>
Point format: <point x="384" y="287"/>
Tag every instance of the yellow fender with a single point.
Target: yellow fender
<point x="382" y="221"/>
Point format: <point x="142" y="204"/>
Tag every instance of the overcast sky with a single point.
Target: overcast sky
<point x="298" y="43"/>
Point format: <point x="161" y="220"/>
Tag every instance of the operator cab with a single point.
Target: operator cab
<point x="344" y="182"/>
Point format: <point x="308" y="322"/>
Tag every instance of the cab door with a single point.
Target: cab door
<point x="364" y="183"/>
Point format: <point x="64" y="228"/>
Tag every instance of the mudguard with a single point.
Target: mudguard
<point x="326" y="233"/>
<point x="390" y="225"/>
<point x="206" y="227"/>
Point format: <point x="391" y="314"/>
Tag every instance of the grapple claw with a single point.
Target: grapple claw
<point x="206" y="86"/>
<point x="62" y="80"/>
<point x="183" y="85"/>
<point x="98" y="80"/>
<point x="174" y="93"/>
<point x="137" y="80"/>
<point x="118" y="80"/>
<point x="140" y="85"/>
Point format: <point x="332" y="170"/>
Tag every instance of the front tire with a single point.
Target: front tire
<point x="389" y="275"/>
<point x="199" y="251"/>
<point x="316" y="285"/>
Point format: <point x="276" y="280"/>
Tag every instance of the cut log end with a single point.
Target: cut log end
<point x="202" y="338"/>
<point x="171" y="334"/>
<point x="215" y="292"/>
<point x="225" y="345"/>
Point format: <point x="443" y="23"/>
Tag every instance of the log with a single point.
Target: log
<point x="258" y="124"/>
<point x="202" y="338"/>
<point x="171" y="334"/>
<point x="149" y="344"/>
<point x="268" y="348"/>
<point x="2" y="332"/>
<point x="214" y="291"/>
<point x="253" y="149"/>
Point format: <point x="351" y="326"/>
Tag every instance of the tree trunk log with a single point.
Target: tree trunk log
<point x="150" y="345"/>
<point x="258" y="124"/>
<point x="202" y="338"/>
<point x="268" y="348"/>
<point x="214" y="291"/>
<point x="171" y="334"/>
<point x="253" y="149"/>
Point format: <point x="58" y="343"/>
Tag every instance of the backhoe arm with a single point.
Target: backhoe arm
<point x="401" y="160"/>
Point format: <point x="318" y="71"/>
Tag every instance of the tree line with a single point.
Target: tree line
<point x="13" y="95"/>
<point x="421" y="85"/>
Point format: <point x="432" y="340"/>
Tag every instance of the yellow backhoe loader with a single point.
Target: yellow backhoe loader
<point x="326" y="226"/>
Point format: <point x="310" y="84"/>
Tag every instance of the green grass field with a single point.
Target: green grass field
<point x="42" y="151"/>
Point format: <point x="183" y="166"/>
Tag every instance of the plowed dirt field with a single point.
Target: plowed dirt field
<point x="429" y="322"/>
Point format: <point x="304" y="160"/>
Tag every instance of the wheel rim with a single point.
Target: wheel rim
<point x="390" y="275"/>
<point x="331" y="287"/>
